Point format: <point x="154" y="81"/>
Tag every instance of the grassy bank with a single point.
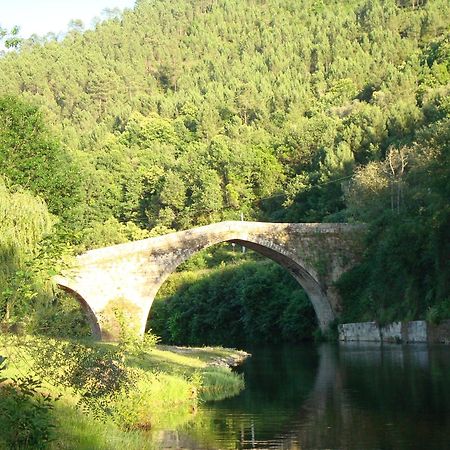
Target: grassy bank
<point x="169" y="383"/>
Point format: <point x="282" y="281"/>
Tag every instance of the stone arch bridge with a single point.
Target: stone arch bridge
<point x="117" y="284"/>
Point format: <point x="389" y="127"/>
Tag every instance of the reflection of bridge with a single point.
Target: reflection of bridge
<point x="122" y="280"/>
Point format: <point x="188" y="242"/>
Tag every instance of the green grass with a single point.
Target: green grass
<point x="76" y="430"/>
<point x="217" y="384"/>
<point x="171" y="383"/>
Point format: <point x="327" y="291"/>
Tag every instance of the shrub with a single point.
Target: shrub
<point x="98" y="375"/>
<point x="25" y="413"/>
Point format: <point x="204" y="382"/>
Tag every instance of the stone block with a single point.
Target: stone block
<point x="415" y="331"/>
<point x="362" y="331"/>
<point x="391" y="332"/>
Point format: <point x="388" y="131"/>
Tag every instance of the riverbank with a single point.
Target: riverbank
<point x="212" y="356"/>
<point x="168" y="385"/>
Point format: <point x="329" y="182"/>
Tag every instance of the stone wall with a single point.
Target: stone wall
<point x="392" y="332"/>
<point x="362" y="331"/>
<point x="405" y="332"/>
<point x="416" y="331"/>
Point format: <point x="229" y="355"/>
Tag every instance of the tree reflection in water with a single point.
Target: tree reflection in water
<point x="351" y="396"/>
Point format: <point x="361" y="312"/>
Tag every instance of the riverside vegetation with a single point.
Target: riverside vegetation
<point x="181" y="113"/>
<point x="71" y="394"/>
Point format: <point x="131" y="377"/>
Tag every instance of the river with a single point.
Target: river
<point x="348" y="396"/>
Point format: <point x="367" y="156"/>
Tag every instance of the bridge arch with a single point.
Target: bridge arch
<point x="128" y="276"/>
<point x="296" y="266"/>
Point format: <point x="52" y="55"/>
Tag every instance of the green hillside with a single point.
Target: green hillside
<point x="181" y="113"/>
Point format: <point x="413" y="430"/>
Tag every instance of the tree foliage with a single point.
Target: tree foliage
<point x="182" y="113"/>
<point x="24" y="221"/>
<point x="248" y="303"/>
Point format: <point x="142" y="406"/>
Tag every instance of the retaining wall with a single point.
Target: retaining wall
<point x="415" y="331"/>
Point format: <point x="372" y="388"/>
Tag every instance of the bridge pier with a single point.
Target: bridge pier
<point x="116" y="285"/>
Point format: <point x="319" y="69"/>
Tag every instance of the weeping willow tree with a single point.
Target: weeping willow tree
<point x="24" y="221"/>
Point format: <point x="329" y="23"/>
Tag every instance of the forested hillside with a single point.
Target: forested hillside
<point x="181" y="113"/>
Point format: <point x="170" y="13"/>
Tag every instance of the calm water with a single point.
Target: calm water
<point x="330" y="397"/>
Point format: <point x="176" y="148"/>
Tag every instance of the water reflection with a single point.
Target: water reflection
<point x="352" y="396"/>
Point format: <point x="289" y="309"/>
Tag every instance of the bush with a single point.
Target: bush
<point x="437" y="313"/>
<point x="98" y="375"/>
<point x="25" y="413"/>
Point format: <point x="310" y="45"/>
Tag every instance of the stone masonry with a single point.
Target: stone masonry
<point x="416" y="331"/>
<point x="116" y="285"/>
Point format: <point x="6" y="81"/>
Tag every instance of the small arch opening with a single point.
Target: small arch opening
<point x="69" y="315"/>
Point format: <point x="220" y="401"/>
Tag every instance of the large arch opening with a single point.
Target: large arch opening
<point x="221" y="295"/>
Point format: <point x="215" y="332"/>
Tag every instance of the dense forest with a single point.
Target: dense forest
<point x="182" y="113"/>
